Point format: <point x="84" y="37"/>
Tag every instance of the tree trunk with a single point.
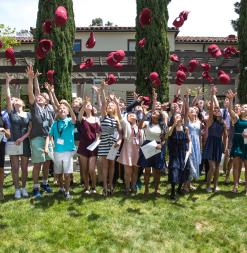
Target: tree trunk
<point x="60" y="58"/>
<point x="155" y="54"/>
<point x="242" y="40"/>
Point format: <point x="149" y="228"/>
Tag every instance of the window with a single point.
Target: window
<point x="77" y="46"/>
<point x="131" y="45"/>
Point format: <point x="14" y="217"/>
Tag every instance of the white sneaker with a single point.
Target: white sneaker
<point x="209" y="189"/>
<point x="17" y="194"/>
<point x="216" y="189"/>
<point x="24" y="193"/>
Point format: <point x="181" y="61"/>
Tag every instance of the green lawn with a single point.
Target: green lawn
<point x="197" y="222"/>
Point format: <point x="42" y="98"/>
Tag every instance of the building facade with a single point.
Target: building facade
<point x="114" y="38"/>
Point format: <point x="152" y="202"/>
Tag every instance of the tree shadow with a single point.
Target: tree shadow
<point x="73" y="212"/>
<point x="93" y="217"/>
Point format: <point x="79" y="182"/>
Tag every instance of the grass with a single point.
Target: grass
<point x="197" y="222"/>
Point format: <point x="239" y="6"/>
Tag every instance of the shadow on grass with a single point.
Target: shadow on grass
<point x="93" y="217"/>
<point x="73" y="212"/>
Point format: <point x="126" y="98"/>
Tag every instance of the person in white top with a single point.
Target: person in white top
<point x="153" y="130"/>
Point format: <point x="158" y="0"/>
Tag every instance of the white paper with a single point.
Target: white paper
<point x="186" y="158"/>
<point x="150" y="150"/>
<point x="12" y="149"/>
<point x="94" y="145"/>
<point x="113" y="153"/>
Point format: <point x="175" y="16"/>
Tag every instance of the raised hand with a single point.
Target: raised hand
<point x="8" y="78"/>
<point x="29" y="71"/>
<point x="37" y="74"/>
<point x="230" y="94"/>
<point x="95" y="88"/>
<point x="103" y="84"/>
<point x="47" y="86"/>
<point x="214" y="90"/>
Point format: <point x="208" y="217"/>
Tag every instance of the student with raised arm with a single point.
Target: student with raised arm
<point x="109" y="135"/>
<point x="132" y="139"/>
<point x="217" y="136"/>
<point x="41" y="121"/>
<point x="153" y="130"/>
<point x="62" y="135"/>
<point x="90" y="132"/>
<point x="239" y="143"/>
<point x="20" y="130"/>
<point x="179" y="145"/>
<point x="194" y="126"/>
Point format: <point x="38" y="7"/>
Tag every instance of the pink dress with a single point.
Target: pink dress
<point x="129" y="154"/>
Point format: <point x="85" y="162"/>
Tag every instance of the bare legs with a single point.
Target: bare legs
<point x="88" y="170"/>
<point x="107" y="173"/>
<point x="156" y="174"/>
<point x="213" y="173"/>
<point x="64" y="181"/>
<point x="130" y="177"/>
<point x="237" y="166"/>
<point x="15" y="170"/>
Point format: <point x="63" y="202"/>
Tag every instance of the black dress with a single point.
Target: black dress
<point x="178" y="145"/>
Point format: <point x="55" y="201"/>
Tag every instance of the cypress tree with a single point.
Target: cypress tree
<point x="60" y="58"/>
<point x="242" y="40"/>
<point x="154" y="56"/>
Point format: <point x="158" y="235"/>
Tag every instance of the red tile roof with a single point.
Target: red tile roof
<point x="25" y="40"/>
<point x="112" y="29"/>
<point x="231" y="39"/>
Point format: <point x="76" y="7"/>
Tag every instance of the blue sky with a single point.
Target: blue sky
<point x="206" y="18"/>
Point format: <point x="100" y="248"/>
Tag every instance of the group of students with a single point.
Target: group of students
<point x="182" y="137"/>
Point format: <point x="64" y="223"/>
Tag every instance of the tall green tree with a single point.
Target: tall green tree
<point x="242" y="40"/>
<point x="235" y="22"/>
<point x="60" y="58"/>
<point x="154" y="56"/>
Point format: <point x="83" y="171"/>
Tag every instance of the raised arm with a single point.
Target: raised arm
<point x="116" y="101"/>
<point x="234" y="117"/>
<point x="82" y="110"/>
<point x="154" y="97"/>
<point x="30" y="75"/>
<point x="49" y="88"/>
<point x="103" y="98"/>
<point x="197" y="97"/>
<point x="186" y="106"/>
<point x="36" y="83"/>
<point x="211" y="108"/>
<point x="8" y="95"/>
<point x="171" y="128"/>
<point x="97" y="90"/>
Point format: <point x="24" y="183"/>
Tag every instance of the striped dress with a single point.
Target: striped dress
<point x="108" y="135"/>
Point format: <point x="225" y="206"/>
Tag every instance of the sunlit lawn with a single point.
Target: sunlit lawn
<point x="197" y="222"/>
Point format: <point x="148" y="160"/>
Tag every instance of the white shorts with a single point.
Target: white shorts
<point x="63" y="162"/>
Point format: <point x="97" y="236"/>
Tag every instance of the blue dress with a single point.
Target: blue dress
<point x="214" y="146"/>
<point x="195" y="157"/>
<point x="177" y="146"/>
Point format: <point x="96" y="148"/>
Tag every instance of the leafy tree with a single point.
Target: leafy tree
<point x="97" y="22"/>
<point x="60" y="58"/>
<point x="242" y="40"/>
<point x="108" y="23"/>
<point x="154" y="56"/>
<point x="236" y="22"/>
<point x="7" y="36"/>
